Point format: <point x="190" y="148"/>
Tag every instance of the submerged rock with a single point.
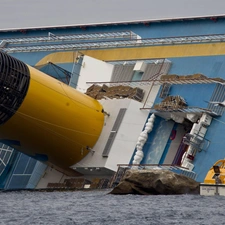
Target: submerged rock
<point x="155" y="182"/>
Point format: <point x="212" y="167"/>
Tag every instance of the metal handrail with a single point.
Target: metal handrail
<point x="72" y="37"/>
<point x="135" y="42"/>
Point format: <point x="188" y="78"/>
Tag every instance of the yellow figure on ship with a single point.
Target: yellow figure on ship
<point x="216" y="173"/>
<point x="214" y="183"/>
<point x="45" y="118"/>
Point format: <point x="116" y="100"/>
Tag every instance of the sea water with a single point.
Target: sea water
<point x="101" y="208"/>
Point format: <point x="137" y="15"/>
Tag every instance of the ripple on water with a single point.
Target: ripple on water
<point x="99" y="208"/>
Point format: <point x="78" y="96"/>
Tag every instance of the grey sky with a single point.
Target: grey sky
<point x="17" y="14"/>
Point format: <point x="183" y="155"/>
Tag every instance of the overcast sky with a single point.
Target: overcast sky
<point x="17" y="14"/>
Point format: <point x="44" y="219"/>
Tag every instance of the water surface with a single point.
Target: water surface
<point x="100" y="208"/>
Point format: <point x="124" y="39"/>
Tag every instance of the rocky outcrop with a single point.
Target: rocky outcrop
<point x="155" y="182"/>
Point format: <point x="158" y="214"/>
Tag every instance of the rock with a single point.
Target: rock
<point x="155" y="182"/>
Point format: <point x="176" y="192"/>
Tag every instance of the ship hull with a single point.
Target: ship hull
<point x="212" y="189"/>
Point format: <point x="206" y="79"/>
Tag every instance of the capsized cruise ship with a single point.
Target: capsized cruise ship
<point x="77" y="103"/>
